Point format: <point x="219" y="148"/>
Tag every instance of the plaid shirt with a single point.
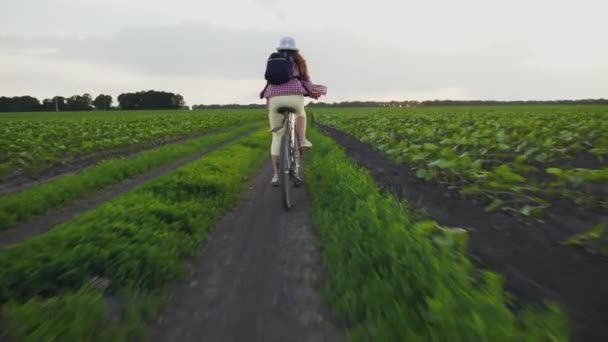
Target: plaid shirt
<point x="294" y="87"/>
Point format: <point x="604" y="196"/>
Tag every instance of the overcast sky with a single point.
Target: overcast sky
<point x="215" y="51"/>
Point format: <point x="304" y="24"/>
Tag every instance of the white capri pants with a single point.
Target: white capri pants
<point x="276" y="119"/>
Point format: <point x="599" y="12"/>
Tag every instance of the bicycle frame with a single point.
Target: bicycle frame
<point x="290" y="157"/>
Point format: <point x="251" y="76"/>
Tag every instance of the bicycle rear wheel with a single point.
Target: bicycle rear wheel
<point x="285" y="172"/>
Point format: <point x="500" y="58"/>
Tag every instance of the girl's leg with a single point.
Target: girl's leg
<point x="301" y="125"/>
<point x="298" y="104"/>
<point x="275" y="120"/>
<point x="275" y="163"/>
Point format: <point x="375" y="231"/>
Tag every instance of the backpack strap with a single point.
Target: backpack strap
<point x="264" y="90"/>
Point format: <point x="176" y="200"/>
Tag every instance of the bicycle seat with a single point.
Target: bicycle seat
<point x="286" y="110"/>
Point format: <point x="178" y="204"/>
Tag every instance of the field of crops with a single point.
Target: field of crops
<point x="517" y="158"/>
<point x="393" y="272"/>
<point x="31" y="142"/>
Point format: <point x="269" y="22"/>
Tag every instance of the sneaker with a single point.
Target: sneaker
<point x="275" y="180"/>
<point x="305" y="144"/>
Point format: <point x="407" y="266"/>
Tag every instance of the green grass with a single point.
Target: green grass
<point x="136" y="243"/>
<point x="594" y="240"/>
<point x="394" y="279"/>
<point x="20" y="206"/>
<point x="61" y="318"/>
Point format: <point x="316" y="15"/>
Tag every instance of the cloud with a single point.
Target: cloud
<point x="272" y="6"/>
<point x="209" y="63"/>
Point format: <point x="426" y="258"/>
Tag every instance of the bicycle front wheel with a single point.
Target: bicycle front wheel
<point x="298" y="167"/>
<point x="284" y="172"/>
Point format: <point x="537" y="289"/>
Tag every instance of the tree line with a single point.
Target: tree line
<point x="229" y="106"/>
<point x="149" y="99"/>
<point x="428" y="103"/>
<point x="58" y="103"/>
<point x="152" y="99"/>
<point x="435" y="103"/>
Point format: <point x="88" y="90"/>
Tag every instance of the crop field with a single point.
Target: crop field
<point x="517" y="158"/>
<point x="192" y="167"/>
<point x="398" y="277"/>
<point x="32" y="142"/>
<point x="529" y="185"/>
<point x="138" y="223"/>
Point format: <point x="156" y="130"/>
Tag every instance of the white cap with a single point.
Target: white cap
<point x="287" y="43"/>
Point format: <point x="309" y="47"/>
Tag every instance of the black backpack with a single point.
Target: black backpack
<point x="279" y="68"/>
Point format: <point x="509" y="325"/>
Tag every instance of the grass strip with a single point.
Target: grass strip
<point x="20" y="206"/>
<point x="135" y="244"/>
<point x="394" y="279"/>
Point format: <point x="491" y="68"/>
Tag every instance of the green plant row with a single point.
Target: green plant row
<point x="397" y="280"/>
<point x="50" y="285"/>
<point x="515" y="158"/>
<point x="31" y="143"/>
<point x="20" y="206"/>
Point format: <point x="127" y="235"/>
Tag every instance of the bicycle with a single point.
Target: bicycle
<point x="290" y="160"/>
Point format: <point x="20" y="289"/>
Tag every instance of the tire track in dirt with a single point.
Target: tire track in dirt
<point x="45" y="222"/>
<point x="535" y="266"/>
<point x="253" y="280"/>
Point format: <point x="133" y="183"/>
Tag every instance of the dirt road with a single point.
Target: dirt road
<point x="255" y="278"/>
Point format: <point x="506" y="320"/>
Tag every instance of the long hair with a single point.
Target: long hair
<point x="302" y="67"/>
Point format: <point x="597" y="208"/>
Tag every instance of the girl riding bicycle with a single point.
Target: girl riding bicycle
<point x="290" y="94"/>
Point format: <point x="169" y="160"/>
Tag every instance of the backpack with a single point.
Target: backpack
<point x="279" y="68"/>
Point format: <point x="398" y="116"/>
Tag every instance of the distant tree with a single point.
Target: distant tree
<point x="77" y="102"/>
<point x="6" y="104"/>
<point x="108" y="101"/>
<point x="179" y="100"/>
<point x="28" y="104"/>
<point x="150" y="99"/>
<point x="19" y="104"/>
<point x="48" y="105"/>
<point x="87" y="100"/>
<point x="102" y="102"/>
<point x="127" y="101"/>
<point x="59" y="103"/>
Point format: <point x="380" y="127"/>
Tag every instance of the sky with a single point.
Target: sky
<point x="215" y="51"/>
